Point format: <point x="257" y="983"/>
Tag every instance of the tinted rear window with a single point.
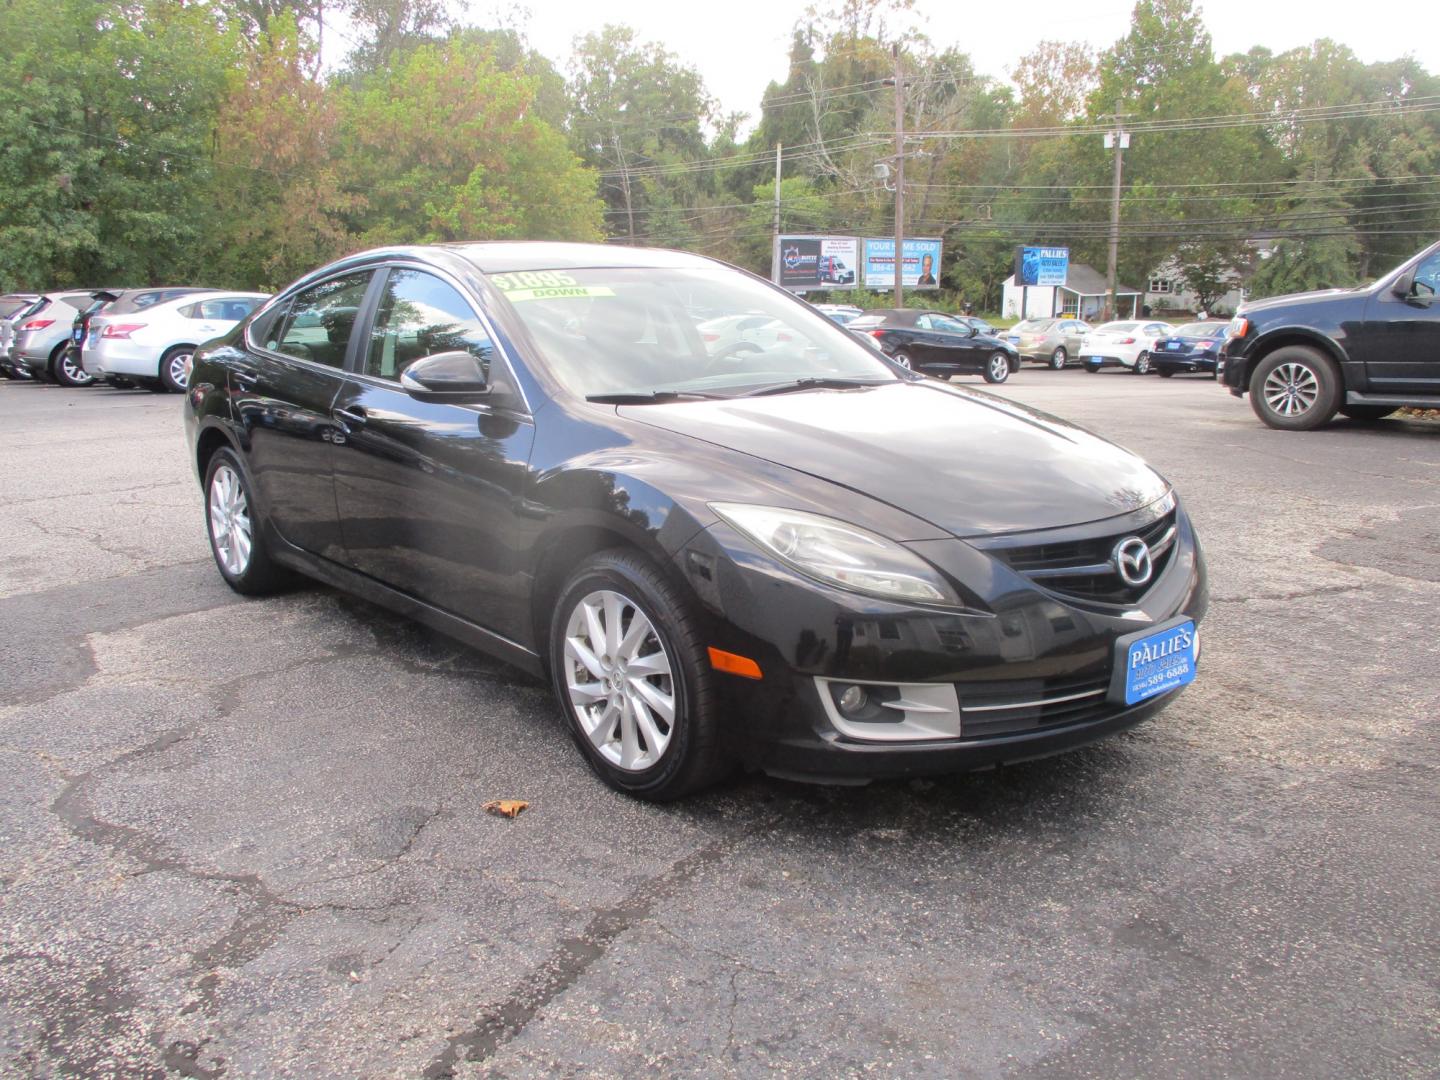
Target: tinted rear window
<point x="140" y="299"/>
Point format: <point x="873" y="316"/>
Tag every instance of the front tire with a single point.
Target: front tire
<point x="235" y="529"/>
<point x="1295" y="388"/>
<point x="1142" y="364"/>
<point x="1058" y="358"/>
<point x="997" y="368"/>
<point x="175" y="368"/>
<point x="630" y="670"/>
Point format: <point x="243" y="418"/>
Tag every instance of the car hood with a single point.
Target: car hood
<point x="1318" y="296"/>
<point x="966" y="462"/>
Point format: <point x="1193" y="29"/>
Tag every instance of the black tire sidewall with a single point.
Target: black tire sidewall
<point x="639" y="580"/>
<point x="1326" y="374"/>
<point x="1062" y="356"/>
<point x="261" y="574"/>
<point x="989" y="369"/>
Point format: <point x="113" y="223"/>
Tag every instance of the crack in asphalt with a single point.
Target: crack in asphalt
<point x="502" y="1021"/>
<point x="1297" y="594"/>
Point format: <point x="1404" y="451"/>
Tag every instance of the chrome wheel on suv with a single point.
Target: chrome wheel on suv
<point x="1295" y="388"/>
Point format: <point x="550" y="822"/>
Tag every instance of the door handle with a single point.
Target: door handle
<point x="245" y="378"/>
<point x="351" y="418"/>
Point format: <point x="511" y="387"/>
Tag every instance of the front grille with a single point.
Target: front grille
<point x="1085" y="570"/>
<point x="1009" y="708"/>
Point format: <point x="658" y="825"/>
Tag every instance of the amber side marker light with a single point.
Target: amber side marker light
<point x="731" y="664"/>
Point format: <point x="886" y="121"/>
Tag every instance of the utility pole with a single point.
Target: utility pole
<point x="775" y="239"/>
<point x="1119" y="138"/>
<point x="624" y="182"/>
<point x="899" y="175"/>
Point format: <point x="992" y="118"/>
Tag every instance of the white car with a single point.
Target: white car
<point x="1126" y="344"/>
<point x="155" y="345"/>
<point x="13" y="307"/>
<point x="735" y="335"/>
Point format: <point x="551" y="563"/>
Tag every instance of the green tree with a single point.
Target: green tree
<point x="444" y="145"/>
<point x="106" y="113"/>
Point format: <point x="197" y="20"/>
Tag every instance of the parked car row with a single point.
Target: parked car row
<point x="126" y="337"/>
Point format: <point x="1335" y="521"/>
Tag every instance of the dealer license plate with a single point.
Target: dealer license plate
<point x="1172" y="345"/>
<point x="1156" y="662"/>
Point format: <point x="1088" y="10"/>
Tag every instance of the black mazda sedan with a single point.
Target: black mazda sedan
<point x="798" y="557"/>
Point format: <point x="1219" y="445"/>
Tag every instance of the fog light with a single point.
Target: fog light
<point x="853" y="699"/>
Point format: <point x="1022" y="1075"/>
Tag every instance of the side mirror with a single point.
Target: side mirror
<point x="1404" y="286"/>
<point x="450" y="376"/>
<point x="974" y="331"/>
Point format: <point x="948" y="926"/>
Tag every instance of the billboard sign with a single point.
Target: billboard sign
<point x="920" y="270"/>
<point x="1042" y="265"/>
<point x="818" y="262"/>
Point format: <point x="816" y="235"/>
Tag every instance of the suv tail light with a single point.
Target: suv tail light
<point x="121" y="330"/>
<point x="36" y="324"/>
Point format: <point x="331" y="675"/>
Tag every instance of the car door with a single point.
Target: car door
<point x="1074" y="332"/>
<point x="282" y="393"/>
<point x="1400" y="340"/>
<point x="430" y="492"/>
<point x="954" y="343"/>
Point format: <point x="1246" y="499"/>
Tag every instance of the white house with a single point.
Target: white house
<point x="1083" y="296"/>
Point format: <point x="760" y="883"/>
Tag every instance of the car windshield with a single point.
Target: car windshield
<point x="1200" y="329"/>
<point x="624" y="331"/>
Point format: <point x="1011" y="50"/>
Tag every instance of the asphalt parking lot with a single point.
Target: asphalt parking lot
<point x="244" y="838"/>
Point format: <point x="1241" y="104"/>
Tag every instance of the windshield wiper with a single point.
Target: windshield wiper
<point x="650" y="397"/>
<point x="812" y="383"/>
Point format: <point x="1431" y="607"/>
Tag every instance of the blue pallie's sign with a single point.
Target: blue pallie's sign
<point x="1042" y="265"/>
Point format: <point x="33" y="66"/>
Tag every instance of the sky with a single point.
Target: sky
<point x="739" y="46"/>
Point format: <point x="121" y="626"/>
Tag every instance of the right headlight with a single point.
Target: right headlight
<point x="839" y="553"/>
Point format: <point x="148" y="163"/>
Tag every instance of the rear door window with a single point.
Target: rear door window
<point x="321" y="319"/>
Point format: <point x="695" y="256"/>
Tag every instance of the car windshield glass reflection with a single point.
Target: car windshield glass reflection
<point x="608" y="332"/>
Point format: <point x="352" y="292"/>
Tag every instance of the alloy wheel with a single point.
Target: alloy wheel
<point x="72" y="374"/>
<point x="903" y="360"/>
<point x="178" y="369"/>
<point x="230" y="529"/>
<point x="1291" y="389"/>
<point x="999" y="368"/>
<point x="1057" y="358"/>
<point x="620" y="680"/>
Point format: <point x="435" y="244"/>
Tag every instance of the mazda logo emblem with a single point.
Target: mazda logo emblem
<point x="1132" y="561"/>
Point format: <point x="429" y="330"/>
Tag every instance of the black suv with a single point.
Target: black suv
<point x="1362" y="352"/>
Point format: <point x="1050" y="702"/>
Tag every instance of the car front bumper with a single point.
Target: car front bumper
<point x="1045" y="661"/>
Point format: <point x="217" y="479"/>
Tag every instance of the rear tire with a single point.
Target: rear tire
<point x="69" y="372"/>
<point x="175" y="368"/>
<point x="616" y="716"/>
<point x="1058" y="358"/>
<point x="236" y="529"/>
<point x="903" y="359"/>
<point x="1165" y="373"/>
<point x="1142" y="364"/>
<point x="1295" y="388"/>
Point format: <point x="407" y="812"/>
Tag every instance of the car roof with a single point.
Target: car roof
<point x="505" y="257"/>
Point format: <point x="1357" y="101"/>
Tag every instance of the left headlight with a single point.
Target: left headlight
<point x="839" y="553"/>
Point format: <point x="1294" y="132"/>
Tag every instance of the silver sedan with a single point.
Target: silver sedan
<point x="1048" y="341"/>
